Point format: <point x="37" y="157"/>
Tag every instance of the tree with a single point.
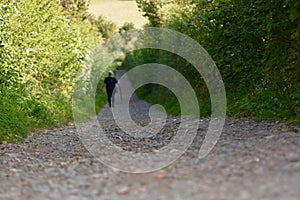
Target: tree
<point x="126" y="27"/>
<point x="77" y="9"/>
<point x="106" y="27"/>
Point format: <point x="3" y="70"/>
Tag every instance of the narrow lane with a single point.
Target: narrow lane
<point x="252" y="160"/>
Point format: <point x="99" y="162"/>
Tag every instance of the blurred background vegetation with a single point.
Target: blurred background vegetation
<point x="43" y="44"/>
<point x="254" y="43"/>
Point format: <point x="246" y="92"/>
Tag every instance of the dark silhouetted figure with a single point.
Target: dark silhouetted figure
<point x="110" y="84"/>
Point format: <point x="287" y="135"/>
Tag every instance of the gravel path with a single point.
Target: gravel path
<point x="250" y="161"/>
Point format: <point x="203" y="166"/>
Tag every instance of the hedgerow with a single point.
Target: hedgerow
<point x="42" y="47"/>
<point x="254" y="43"/>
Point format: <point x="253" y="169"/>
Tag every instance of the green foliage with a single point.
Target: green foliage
<point x="76" y="9"/>
<point x="41" y="50"/>
<point x="45" y="49"/>
<point x="106" y="27"/>
<point x="151" y="10"/>
<point x="255" y="45"/>
<point x="156" y="94"/>
<point x="13" y="122"/>
<point x="126" y="27"/>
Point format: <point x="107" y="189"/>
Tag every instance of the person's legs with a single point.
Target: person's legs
<point x="109" y="95"/>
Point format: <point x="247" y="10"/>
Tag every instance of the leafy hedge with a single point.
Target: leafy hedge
<point x="254" y="43"/>
<point x="41" y="50"/>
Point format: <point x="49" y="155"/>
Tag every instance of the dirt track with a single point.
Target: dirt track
<point x="250" y="161"/>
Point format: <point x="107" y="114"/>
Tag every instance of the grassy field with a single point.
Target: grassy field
<point x="119" y="11"/>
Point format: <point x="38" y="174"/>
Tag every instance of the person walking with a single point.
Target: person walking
<point x="110" y="84"/>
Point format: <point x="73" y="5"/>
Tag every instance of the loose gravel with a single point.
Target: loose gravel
<point x="251" y="160"/>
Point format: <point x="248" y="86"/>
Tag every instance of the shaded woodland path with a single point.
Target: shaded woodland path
<point x="252" y="160"/>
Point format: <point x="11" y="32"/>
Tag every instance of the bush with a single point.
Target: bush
<point x="41" y="50"/>
<point x="13" y="122"/>
<point x="126" y="27"/>
<point x="106" y="27"/>
<point x="254" y="44"/>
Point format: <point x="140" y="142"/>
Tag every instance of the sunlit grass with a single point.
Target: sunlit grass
<point x="118" y="11"/>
